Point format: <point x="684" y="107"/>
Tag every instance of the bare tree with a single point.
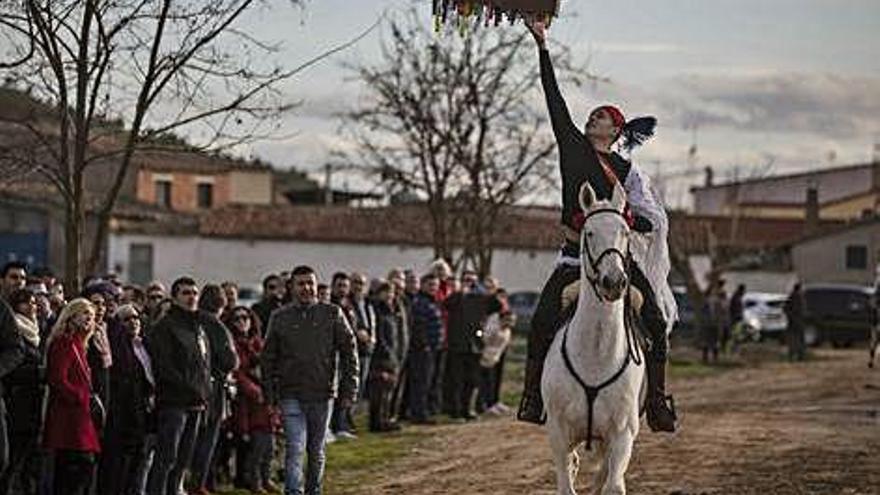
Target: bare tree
<point x="457" y="122"/>
<point x="121" y="76"/>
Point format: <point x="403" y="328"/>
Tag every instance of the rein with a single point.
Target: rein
<point x="633" y="354"/>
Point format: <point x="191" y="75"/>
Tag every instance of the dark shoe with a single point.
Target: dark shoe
<point x="660" y="407"/>
<point x="469" y="416"/>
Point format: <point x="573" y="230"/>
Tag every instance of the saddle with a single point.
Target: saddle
<point x="572" y="291"/>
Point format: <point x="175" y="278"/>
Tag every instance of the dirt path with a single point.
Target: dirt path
<point x="775" y="428"/>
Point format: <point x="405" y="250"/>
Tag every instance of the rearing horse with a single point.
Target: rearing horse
<point x="593" y="381"/>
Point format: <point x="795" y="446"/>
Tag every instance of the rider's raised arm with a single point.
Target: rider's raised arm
<point x="563" y="127"/>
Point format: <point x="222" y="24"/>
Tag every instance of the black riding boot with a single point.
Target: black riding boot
<point x="545" y="323"/>
<point x="660" y="407"/>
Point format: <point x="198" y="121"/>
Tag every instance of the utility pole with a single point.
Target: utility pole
<point x="328" y="189"/>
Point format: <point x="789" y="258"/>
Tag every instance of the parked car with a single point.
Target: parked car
<point x="837" y="313"/>
<point x="763" y="313"/>
<point x="523" y="304"/>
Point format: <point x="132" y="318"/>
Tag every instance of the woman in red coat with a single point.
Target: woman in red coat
<point x="69" y="434"/>
<point x="254" y="419"/>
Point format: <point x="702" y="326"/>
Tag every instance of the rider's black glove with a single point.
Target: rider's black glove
<point x="642" y="225"/>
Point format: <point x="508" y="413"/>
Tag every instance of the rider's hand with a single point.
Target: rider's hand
<point x="539" y="31"/>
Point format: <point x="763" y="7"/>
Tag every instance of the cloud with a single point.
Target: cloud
<point x="823" y="104"/>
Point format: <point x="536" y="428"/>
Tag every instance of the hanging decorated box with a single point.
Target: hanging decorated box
<point x="488" y="12"/>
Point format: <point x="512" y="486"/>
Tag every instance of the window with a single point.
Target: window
<point x="856" y="257"/>
<point x="163" y="193"/>
<point x="140" y="263"/>
<point x="205" y="195"/>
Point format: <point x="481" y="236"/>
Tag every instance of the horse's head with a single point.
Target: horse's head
<point x="605" y="242"/>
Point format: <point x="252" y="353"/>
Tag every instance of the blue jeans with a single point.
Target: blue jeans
<point x="206" y="440"/>
<point x="175" y="441"/>
<point x="305" y="427"/>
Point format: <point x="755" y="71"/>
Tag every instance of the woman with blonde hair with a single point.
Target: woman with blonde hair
<point x="70" y="433"/>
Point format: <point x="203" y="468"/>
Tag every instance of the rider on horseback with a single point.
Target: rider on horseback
<point x="588" y="157"/>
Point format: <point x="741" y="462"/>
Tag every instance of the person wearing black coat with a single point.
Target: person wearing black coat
<point x="224" y="360"/>
<point x="131" y="416"/>
<point x="181" y="355"/>
<point x="11" y="356"/>
<point x="385" y="363"/>
<point x="24" y="393"/>
<point x="467" y="311"/>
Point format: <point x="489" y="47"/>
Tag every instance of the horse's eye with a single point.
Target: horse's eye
<point x="589" y="233"/>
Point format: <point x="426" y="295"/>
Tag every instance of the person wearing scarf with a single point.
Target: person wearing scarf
<point x="24" y="394"/>
<point x="588" y="157"/>
<point x="126" y="462"/>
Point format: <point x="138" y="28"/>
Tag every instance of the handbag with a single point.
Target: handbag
<point x="97" y="411"/>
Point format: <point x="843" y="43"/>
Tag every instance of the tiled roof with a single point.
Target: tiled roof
<point x="520" y="228"/>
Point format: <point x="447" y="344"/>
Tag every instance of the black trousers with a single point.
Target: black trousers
<point x="73" y="472"/>
<point x="381" y="394"/>
<point x="421" y="364"/>
<point x="546" y="320"/>
<point x="464" y="374"/>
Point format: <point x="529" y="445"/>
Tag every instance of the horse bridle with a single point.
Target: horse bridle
<point x="594" y="262"/>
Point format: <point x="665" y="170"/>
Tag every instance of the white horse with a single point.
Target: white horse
<point x="599" y="356"/>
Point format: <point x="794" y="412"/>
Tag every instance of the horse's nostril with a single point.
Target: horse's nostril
<point x="607" y="283"/>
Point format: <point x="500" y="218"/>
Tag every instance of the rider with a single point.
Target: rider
<point x="589" y="158"/>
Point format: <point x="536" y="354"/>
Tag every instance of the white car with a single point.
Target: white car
<point x="763" y="312"/>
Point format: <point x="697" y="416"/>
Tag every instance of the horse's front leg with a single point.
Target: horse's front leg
<point x="617" y="455"/>
<point x="565" y="459"/>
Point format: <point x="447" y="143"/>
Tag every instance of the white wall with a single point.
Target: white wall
<point x="215" y="260"/>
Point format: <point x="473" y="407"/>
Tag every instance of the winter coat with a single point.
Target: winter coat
<point x="251" y="411"/>
<point x="303" y="344"/>
<point x="68" y="423"/>
<point x="467" y="316"/>
<point x="181" y="355"/>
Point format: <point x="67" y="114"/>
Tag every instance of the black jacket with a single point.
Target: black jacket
<point x="578" y="161"/>
<point x="11" y="350"/>
<point x="224" y="359"/>
<point x="25" y="392"/>
<point x="365" y="319"/>
<point x="130" y="415"/>
<point x="386" y="354"/>
<point x="264" y="309"/>
<point x="181" y="355"/>
<point x="467" y="316"/>
<point x="303" y="344"/>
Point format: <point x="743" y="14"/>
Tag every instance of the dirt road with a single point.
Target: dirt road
<point x="767" y="428"/>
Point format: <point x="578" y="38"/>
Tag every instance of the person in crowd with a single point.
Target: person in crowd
<point x="716" y="321"/>
<point x="99" y="354"/>
<point x="134" y="295"/>
<point x="254" y="419"/>
<point x="364" y="327"/>
<point x="12" y="278"/>
<point x="224" y="360"/>
<point x="130" y="428"/>
<point x="70" y="432"/>
<point x="324" y="293"/>
<point x="425" y="341"/>
<point x="468" y="311"/>
<point x="342" y="420"/>
<point x="734" y="317"/>
<point x="499" y="331"/>
<point x="230" y="289"/>
<point x="304" y="343"/>
<point x="401" y="310"/>
<point x="45" y="314"/>
<point x="386" y="362"/>
<point x="273" y="298"/>
<point x="24" y="394"/>
<point x="794" y="310"/>
<point x="181" y="355"/>
<point x="438" y="389"/>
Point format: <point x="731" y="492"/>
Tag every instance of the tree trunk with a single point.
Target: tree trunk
<point x="73" y="230"/>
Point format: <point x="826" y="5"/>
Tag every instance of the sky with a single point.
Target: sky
<point x="760" y="86"/>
